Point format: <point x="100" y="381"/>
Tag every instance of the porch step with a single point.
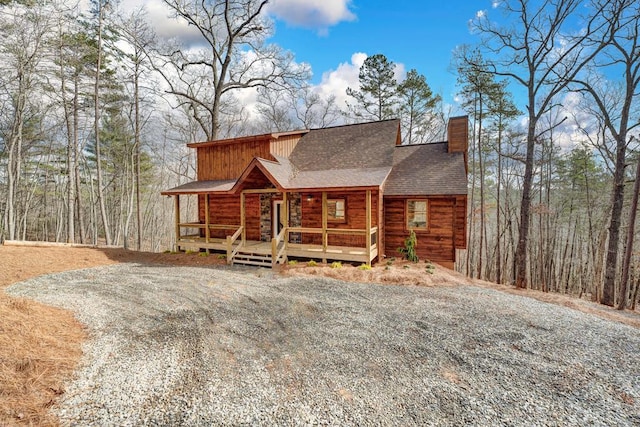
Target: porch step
<point x="250" y="258"/>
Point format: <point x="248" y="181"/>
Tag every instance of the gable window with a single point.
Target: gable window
<point x="416" y="214"/>
<point x="336" y="210"/>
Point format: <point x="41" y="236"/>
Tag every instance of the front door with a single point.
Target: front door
<point x="277" y="219"/>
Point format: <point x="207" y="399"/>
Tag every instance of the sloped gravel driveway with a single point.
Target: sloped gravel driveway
<point x="220" y="346"/>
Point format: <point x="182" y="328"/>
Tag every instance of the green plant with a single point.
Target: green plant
<point x="389" y="262"/>
<point x="203" y="254"/>
<point x="221" y="256"/>
<point x="406" y="267"/>
<point x="387" y="268"/>
<point x="365" y="267"/>
<point x="292" y="262"/>
<point x="311" y="263"/>
<point x="392" y="259"/>
<point x="409" y="250"/>
<point x="168" y="251"/>
<point x="336" y="264"/>
<point x="190" y="252"/>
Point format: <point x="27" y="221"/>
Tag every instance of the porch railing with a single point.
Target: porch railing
<point x="231" y="252"/>
<point x="278" y="247"/>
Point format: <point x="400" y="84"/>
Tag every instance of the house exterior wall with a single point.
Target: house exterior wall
<point x="355" y="217"/>
<point x="225" y="210"/>
<point x="228" y="161"/>
<point x="445" y="233"/>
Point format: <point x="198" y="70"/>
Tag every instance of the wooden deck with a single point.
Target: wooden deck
<point x="264" y="249"/>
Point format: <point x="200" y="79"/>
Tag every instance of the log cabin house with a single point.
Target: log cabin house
<point x="348" y="193"/>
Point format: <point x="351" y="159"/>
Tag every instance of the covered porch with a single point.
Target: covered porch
<point x="265" y="232"/>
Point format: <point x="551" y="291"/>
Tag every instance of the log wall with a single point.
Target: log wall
<point x="355" y="217"/>
<point x="446" y="228"/>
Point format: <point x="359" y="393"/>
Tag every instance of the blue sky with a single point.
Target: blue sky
<point x="417" y="34"/>
<point x="335" y="36"/>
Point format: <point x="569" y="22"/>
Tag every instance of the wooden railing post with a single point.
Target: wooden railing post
<point x="368" y="226"/>
<point x="229" y="249"/>
<point x="242" y="219"/>
<point x="207" y="232"/>
<point x="177" y="217"/>
<point x="325" y="237"/>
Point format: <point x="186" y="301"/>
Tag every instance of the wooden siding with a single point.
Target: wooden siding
<point x="457" y="134"/>
<point x="355" y="203"/>
<point x="284" y="145"/>
<point x="228" y="161"/>
<point x="225" y="210"/>
<point x="445" y="233"/>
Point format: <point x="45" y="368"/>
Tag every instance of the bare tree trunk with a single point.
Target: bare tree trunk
<point x="101" y="201"/>
<point x="630" y="235"/>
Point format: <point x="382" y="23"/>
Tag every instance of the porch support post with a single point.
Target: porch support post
<point x="285" y="212"/>
<point x="325" y="237"/>
<point x="207" y="232"/>
<point x="368" y="226"/>
<point x="242" y="219"/>
<point x="176" y="200"/>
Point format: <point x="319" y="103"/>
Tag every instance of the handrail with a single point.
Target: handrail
<point x="275" y="254"/>
<point x="211" y="226"/>
<point x="230" y="241"/>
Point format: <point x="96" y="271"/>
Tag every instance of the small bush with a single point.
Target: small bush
<point x="203" y="254"/>
<point x="292" y="262"/>
<point x="311" y="263"/>
<point x="190" y="252"/>
<point x="389" y="262"/>
<point x="365" y="267"/>
<point x="168" y="251"/>
<point x="387" y="268"/>
<point x="392" y="259"/>
<point x="406" y="267"/>
<point x="409" y="250"/>
<point x="221" y="256"/>
<point x="336" y="264"/>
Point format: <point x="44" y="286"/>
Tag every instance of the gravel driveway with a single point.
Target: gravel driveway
<point x="221" y="346"/>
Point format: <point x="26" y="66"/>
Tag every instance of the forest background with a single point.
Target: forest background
<point x="96" y="109"/>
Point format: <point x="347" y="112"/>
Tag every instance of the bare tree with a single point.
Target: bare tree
<point x="235" y="57"/>
<point x="527" y="51"/>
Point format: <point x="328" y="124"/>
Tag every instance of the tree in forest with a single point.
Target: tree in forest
<point x="140" y="37"/>
<point x="23" y="31"/>
<point x="417" y="109"/>
<point x="235" y="57"/>
<point x="615" y="107"/>
<point x="376" y="98"/>
<point x="526" y="52"/>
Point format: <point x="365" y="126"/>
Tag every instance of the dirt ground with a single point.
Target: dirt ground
<point x="40" y="346"/>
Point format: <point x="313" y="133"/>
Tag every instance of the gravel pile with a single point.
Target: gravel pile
<point x="222" y="346"/>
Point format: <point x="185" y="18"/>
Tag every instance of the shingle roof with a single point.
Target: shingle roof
<point x="359" y="146"/>
<point x="289" y="177"/>
<point x="426" y="169"/>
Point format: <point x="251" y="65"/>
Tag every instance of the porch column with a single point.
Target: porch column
<point x="176" y="200"/>
<point x="325" y="237"/>
<point x="285" y="211"/>
<point x="207" y="232"/>
<point x="368" y="226"/>
<point x="242" y="219"/>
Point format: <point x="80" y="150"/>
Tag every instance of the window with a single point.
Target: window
<point x="336" y="210"/>
<point x="416" y="214"/>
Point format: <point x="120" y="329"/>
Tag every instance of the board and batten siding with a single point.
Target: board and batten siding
<point x="228" y="161"/>
<point x="445" y="233"/>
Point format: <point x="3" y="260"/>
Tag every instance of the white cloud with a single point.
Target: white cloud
<point x="316" y="14"/>
<point x="335" y="82"/>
